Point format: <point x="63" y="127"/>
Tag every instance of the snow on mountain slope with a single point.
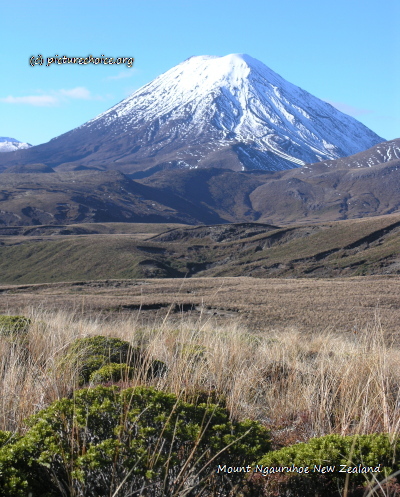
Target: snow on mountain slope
<point x="227" y="112"/>
<point x="11" y="144"/>
<point x="209" y="102"/>
<point x="379" y="154"/>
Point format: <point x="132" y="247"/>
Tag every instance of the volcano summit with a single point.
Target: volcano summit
<point x="232" y="112"/>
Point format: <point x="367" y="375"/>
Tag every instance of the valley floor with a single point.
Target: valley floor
<point x="343" y="305"/>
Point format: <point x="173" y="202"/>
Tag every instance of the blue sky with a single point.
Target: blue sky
<point x="342" y="51"/>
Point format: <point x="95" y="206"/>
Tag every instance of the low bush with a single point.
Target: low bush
<point x="88" y="355"/>
<point x="348" y="461"/>
<point x="114" y="349"/>
<point x="112" y="372"/>
<point x="14" y="325"/>
<point x="137" y="441"/>
<point x="12" y="477"/>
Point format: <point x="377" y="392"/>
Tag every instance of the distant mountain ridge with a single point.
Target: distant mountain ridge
<point x="54" y="198"/>
<point x="11" y="144"/>
<point x="342" y="189"/>
<point x="339" y="189"/>
<point x="380" y="154"/>
<point x="230" y="112"/>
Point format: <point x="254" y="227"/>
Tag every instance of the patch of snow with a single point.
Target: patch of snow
<point x="236" y="98"/>
<point x="11" y="144"/>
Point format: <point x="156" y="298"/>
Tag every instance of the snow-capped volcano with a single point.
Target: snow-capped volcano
<point x="230" y="111"/>
<point x="208" y="102"/>
<point x="11" y="144"/>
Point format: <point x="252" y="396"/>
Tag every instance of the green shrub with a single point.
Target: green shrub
<point x="88" y="366"/>
<point x="340" y="452"/>
<point x="89" y="354"/>
<point x="112" y="372"/>
<point x="5" y="437"/>
<point x="142" y="441"/>
<point x="14" y="325"/>
<point x="114" y="349"/>
<point x="12" y="477"/>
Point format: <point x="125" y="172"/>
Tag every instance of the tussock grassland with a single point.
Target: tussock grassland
<point x="299" y="385"/>
<point x="339" y="305"/>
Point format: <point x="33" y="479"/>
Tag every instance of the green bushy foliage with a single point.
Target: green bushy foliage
<point x="14" y="325"/>
<point x="331" y="450"/>
<point x="142" y="441"/>
<point x="12" y="479"/>
<point x="89" y="354"/>
<point x="112" y="372"/>
<point x="114" y="349"/>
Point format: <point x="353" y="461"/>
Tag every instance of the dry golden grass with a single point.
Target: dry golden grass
<point x="299" y="385"/>
<point x="340" y="305"/>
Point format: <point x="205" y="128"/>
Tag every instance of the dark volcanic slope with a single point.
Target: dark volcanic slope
<point x="331" y="195"/>
<point x="342" y="189"/>
<point x="334" y="190"/>
<point x="225" y="192"/>
<point x="80" y="197"/>
<point x="362" y="185"/>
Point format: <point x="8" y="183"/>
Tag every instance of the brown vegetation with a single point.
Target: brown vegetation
<point x="341" y="305"/>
